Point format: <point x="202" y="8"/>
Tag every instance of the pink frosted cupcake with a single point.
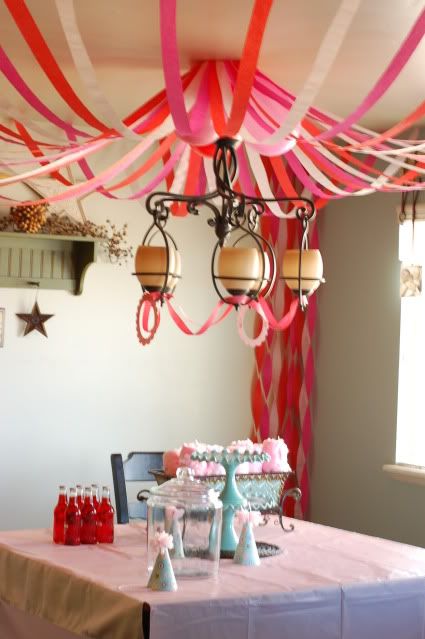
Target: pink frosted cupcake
<point x="278" y="452"/>
<point x="185" y="458"/>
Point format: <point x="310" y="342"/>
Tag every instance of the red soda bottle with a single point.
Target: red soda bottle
<point x="95" y="495"/>
<point x="79" y="496"/>
<point x="105" y="519"/>
<point x="72" y="520"/>
<point x="59" y="517"/>
<point x="88" y="519"/>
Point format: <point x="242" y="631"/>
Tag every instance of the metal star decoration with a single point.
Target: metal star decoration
<point x="35" y="320"/>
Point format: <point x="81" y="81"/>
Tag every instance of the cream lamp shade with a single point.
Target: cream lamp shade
<point x="151" y="268"/>
<point x="239" y="269"/>
<point x="311" y="270"/>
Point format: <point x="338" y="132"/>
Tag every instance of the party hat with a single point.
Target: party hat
<point x="246" y="552"/>
<point x="162" y="576"/>
<point x="177" y="552"/>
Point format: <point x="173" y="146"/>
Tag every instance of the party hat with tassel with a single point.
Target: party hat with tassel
<point x="162" y="576"/>
<point x="246" y="552"/>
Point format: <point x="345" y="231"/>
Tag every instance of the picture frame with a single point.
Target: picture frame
<point x="410" y="280"/>
<point x="2" y="322"/>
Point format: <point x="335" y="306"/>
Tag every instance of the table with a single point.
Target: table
<point x="327" y="584"/>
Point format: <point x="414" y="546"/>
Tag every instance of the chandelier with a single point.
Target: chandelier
<point x="243" y="263"/>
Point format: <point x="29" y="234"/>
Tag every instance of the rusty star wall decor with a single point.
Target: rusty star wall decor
<point x="35" y="320"/>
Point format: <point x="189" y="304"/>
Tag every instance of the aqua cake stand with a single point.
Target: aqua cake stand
<point x="230" y="496"/>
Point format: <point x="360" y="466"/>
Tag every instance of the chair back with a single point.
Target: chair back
<point x="135" y="468"/>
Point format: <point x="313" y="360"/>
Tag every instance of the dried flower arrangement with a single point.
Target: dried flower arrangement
<point x="35" y="219"/>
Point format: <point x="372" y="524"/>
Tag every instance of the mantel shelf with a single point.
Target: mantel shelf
<point x="47" y="261"/>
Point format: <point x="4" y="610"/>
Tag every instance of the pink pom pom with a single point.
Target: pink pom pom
<point x="162" y="541"/>
<point x="252" y="516"/>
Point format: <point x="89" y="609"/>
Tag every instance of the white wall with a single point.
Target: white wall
<point x="90" y="389"/>
<point x="357" y="373"/>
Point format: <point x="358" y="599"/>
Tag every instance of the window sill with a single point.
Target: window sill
<point x="406" y="473"/>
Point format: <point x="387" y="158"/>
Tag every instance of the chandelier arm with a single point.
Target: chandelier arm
<point x="233" y="211"/>
<point x="155" y="203"/>
<point x="308" y="211"/>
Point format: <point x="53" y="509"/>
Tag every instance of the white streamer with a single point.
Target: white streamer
<point x="326" y="56"/>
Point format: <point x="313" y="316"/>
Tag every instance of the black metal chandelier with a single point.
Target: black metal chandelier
<point x="243" y="263"/>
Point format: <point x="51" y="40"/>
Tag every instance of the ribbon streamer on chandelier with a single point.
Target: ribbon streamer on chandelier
<point x="83" y="64"/>
<point x="327" y="54"/>
<point x="327" y="169"/>
<point x="34" y="38"/>
<point x="248" y="64"/>
<point x="149" y="306"/>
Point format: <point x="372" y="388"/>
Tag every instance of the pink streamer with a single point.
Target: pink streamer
<point x="21" y="87"/>
<point x="387" y="78"/>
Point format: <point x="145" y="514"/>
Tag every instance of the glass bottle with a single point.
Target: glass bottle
<point x="88" y="519"/>
<point x="79" y="496"/>
<point x="59" y="517"/>
<point x="95" y="495"/>
<point x="105" y="519"/>
<point x="72" y="520"/>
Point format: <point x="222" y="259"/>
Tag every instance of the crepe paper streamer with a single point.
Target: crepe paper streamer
<point x="387" y="78"/>
<point x="217" y="315"/>
<point x="89" y="186"/>
<point x="326" y="169"/>
<point x="84" y="66"/>
<point x="252" y="342"/>
<point x="15" y="79"/>
<point x="173" y="83"/>
<point x="247" y="66"/>
<point x="314" y="143"/>
<point x="268" y="88"/>
<point x="91" y="180"/>
<point x="171" y="67"/>
<point x="277" y="395"/>
<point x="142" y="170"/>
<point x="325" y="58"/>
<point x="147" y="306"/>
<point x="35" y="150"/>
<point x="33" y="37"/>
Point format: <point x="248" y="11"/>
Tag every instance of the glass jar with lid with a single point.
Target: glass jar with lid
<point x="191" y="512"/>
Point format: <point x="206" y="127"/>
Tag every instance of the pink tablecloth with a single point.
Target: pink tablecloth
<point x="326" y="584"/>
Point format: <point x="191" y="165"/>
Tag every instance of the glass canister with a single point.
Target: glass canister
<point x="191" y="512"/>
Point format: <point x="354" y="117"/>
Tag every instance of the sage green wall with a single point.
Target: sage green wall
<point x="357" y="368"/>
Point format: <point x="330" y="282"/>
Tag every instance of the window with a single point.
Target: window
<point x="410" y="448"/>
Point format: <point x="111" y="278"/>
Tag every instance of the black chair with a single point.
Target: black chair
<point x="135" y="468"/>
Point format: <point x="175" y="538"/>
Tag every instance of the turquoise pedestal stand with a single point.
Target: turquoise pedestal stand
<point x="230" y="495"/>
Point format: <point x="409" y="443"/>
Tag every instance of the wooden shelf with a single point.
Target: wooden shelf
<point x="50" y="261"/>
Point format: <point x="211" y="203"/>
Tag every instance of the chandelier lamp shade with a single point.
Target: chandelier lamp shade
<point x="243" y="262"/>
<point x="302" y="269"/>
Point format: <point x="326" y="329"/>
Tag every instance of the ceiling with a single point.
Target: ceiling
<point x="122" y="39"/>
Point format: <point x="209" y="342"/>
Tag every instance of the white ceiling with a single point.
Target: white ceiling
<point x="122" y="38"/>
